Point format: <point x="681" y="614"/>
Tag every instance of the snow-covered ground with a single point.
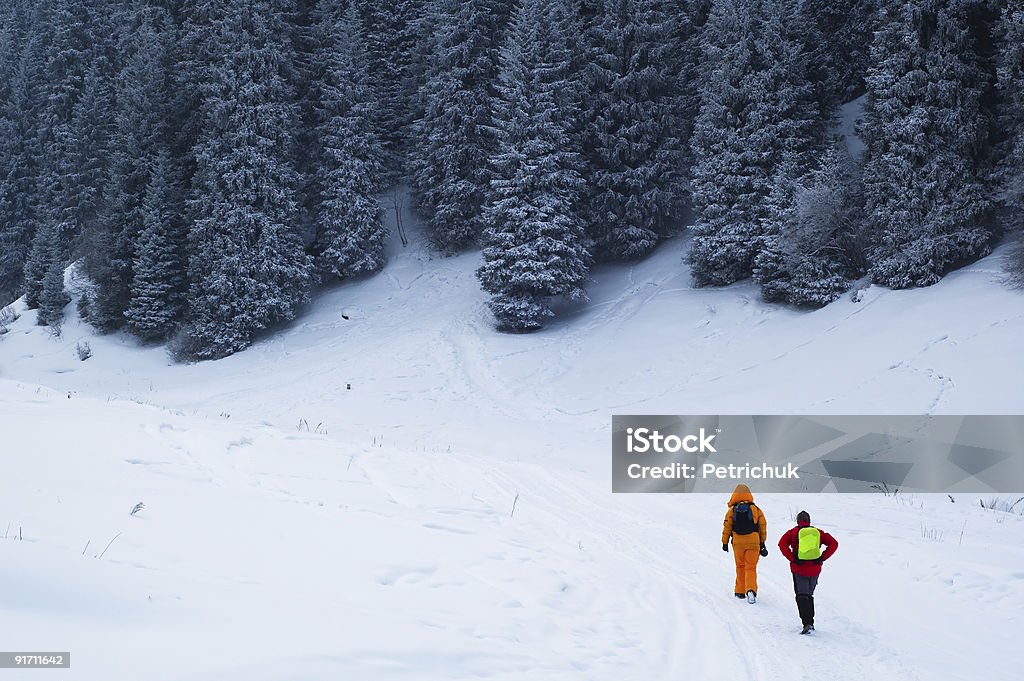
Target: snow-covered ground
<point x="337" y="501"/>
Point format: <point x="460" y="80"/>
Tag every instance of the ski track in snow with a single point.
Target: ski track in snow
<point x="757" y="630"/>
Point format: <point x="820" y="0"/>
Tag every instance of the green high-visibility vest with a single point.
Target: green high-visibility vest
<point x="808" y="543"/>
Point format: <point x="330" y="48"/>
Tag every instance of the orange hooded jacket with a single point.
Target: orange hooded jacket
<point x="742" y="493"/>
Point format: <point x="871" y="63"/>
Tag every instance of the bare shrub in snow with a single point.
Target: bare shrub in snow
<point x="1003" y="504"/>
<point x="182" y="348"/>
<point x="8" y="315"/>
<point x="911" y="500"/>
<point x="1015" y="263"/>
<point x="815" y="250"/>
<point x="884" y="489"/>
<point x="932" y="533"/>
<point x="320" y="428"/>
<point x="83" y="350"/>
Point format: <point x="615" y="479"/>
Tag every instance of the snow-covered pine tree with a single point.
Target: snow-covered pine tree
<point x="90" y="148"/>
<point x="534" y="244"/>
<point x="52" y="295"/>
<point x="924" y="131"/>
<point x="10" y="34"/>
<point x="1011" y="107"/>
<point x="65" y="36"/>
<point x="9" y="49"/>
<point x="692" y="15"/>
<point x="1010" y="171"/>
<point x="839" y="39"/>
<point x="388" y="51"/>
<point x="632" y="137"/>
<point x="192" y="55"/>
<point x="63" y="40"/>
<point x="86" y="155"/>
<point x="380" y="28"/>
<point x="791" y="101"/>
<point x="725" y="190"/>
<point x="139" y="137"/>
<point x="350" y="234"/>
<point x="21" y="153"/>
<point x="44" y="271"/>
<point x="757" y="110"/>
<point x="158" y="270"/>
<point x="247" y="269"/>
<point x="454" y="139"/>
<point x="422" y="38"/>
<point x="36" y="261"/>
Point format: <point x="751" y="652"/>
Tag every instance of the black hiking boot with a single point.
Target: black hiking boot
<point x="808" y="628"/>
<point x="751" y="597"/>
<point x="739" y="595"/>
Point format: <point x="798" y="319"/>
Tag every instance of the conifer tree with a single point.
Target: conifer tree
<point x="454" y="139"/>
<point x="65" y="40"/>
<point x="60" y="67"/>
<point x="157" y="292"/>
<point x="838" y="37"/>
<point x="1010" y="176"/>
<point x="53" y="297"/>
<point x="350" y="231"/>
<point x="924" y="131"/>
<point x="387" y="35"/>
<point x="635" y="107"/>
<point x="140" y="135"/>
<point x="692" y="15"/>
<point x="21" y="152"/>
<point x="535" y="244"/>
<point x="44" y="272"/>
<point x="36" y="263"/>
<point x="86" y="151"/>
<point x="757" y="118"/>
<point x="70" y="107"/>
<point x="247" y="269"/>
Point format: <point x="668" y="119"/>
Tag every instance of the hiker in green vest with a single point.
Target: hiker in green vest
<point x="802" y="548"/>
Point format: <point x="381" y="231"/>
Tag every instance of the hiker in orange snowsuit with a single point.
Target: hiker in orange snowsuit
<point x="745" y="525"/>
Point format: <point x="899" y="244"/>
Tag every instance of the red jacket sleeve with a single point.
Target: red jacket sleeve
<point x="786" y="545"/>
<point x="830" y="544"/>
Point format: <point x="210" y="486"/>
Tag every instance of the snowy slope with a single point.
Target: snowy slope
<point x="268" y="554"/>
<point x="384" y="546"/>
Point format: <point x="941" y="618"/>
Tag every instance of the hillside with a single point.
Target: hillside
<point x="418" y="348"/>
<point x="298" y="528"/>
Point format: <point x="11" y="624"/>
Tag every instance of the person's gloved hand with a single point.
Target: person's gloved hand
<point x="725" y="547"/>
<point x="764" y="550"/>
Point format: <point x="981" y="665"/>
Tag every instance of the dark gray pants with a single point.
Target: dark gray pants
<point x="804" y="588"/>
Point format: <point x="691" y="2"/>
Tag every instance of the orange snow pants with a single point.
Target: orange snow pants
<point x="746" y="550"/>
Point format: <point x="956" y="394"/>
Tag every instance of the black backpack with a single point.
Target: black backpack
<point x="743" y="518"/>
